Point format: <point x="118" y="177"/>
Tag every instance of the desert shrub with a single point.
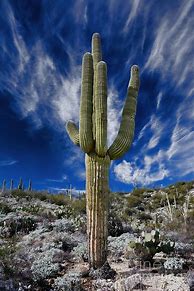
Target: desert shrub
<point x="79" y="206"/>
<point x="158" y="200"/>
<point x="17" y="193"/>
<point x="59" y="199"/>
<point x="4" y="208"/>
<point x="21" y="224"/>
<point x="33" y="209"/>
<point x="144" y="216"/>
<point x="140" y="191"/>
<point x="7" y="252"/>
<point x="133" y="201"/>
<point x="115" y="227"/>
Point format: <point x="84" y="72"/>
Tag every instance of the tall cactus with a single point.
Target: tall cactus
<point x="92" y="139"/>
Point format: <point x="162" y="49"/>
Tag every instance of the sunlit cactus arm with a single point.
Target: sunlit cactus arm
<point x="73" y="132"/>
<point x="86" y="106"/>
<point x="97" y="57"/>
<point x="100" y="104"/>
<point x="96" y="49"/>
<point x="126" y="132"/>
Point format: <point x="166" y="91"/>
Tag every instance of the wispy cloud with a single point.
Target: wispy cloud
<point x="7" y="163"/>
<point x="132" y="14"/>
<point x="64" y="178"/>
<point x="172" y="47"/>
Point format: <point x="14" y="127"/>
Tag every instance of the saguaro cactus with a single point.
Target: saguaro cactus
<point x="30" y="185"/>
<point x="21" y="185"/>
<point x="92" y="139"/>
<point x="11" y="184"/>
<point x="4" y="185"/>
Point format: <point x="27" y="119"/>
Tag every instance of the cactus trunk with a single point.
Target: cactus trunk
<point x="97" y="191"/>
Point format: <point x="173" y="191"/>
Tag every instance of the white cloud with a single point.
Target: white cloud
<point x="7" y="163"/>
<point x="129" y="173"/>
<point x="159" y="99"/>
<point x="172" y="46"/>
<point x="114" y="114"/>
<point x="132" y="13"/>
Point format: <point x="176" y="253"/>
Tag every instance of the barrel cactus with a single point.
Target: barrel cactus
<point x="92" y="139"/>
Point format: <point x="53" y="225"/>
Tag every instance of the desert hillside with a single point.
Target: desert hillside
<point x="150" y="245"/>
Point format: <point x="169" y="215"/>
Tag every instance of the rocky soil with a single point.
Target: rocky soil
<point x="44" y="247"/>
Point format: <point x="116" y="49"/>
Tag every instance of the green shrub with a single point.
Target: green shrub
<point x="4" y="208"/>
<point x="133" y="201"/>
<point x="79" y="206"/>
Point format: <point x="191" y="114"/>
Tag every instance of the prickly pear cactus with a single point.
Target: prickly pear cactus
<point x="148" y="244"/>
<point x="92" y="139"/>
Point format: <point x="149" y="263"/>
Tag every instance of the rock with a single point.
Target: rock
<point x="190" y="280"/>
<point x="128" y="283"/>
<point x="105" y="272"/>
<point x="103" y="285"/>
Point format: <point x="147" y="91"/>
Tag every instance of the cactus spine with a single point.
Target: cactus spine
<point x="92" y="139"/>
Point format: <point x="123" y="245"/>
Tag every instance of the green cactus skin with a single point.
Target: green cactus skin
<point x="92" y="139"/>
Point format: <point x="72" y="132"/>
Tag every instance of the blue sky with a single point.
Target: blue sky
<point x="41" y="49"/>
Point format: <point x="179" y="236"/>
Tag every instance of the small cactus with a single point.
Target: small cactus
<point x="20" y="185"/>
<point x="4" y="185"/>
<point x="30" y="186"/>
<point x="11" y="184"/>
<point x="149" y="244"/>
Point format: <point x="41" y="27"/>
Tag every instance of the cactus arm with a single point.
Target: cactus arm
<point x="97" y="57"/>
<point x="85" y="132"/>
<point x="73" y="132"/>
<point x="126" y="132"/>
<point x="100" y="104"/>
<point x="96" y="49"/>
